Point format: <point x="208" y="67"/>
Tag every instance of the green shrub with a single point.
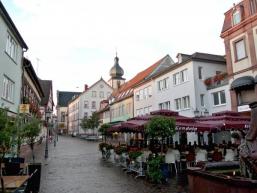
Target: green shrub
<point x="135" y="154"/>
<point x="154" y="172"/>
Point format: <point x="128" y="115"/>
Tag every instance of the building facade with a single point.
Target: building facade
<point x="63" y="98"/>
<point x="12" y="48"/>
<point x="86" y="103"/>
<point x="73" y="116"/>
<point x="240" y="38"/>
<point x="180" y="87"/>
<point x="122" y="103"/>
<point x="32" y="92"/>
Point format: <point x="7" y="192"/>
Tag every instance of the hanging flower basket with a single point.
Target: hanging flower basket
<point x="208" y="81"/>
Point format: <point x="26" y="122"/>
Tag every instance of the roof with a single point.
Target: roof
<point x="228" y="18"/>
<point x="197" y="56"/>
<point x="33" y="76"/>
<point x="12" y="26"/>
<point x="126" y="89"/>
<point x="47" y="87"/>
<point x="63" y="97"/>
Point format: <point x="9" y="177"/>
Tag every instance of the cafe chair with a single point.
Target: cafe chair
<point x="18" y="159"/>
<point x="190" y="159"/>
<point x="170" y="159"/>
<point x="29" y="186"/>
<point x="217" y="156"/>
<point x="12" y="169"/>
<point x="230" y="155"/>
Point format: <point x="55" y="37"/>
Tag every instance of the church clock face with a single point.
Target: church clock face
<point x="101" y="86"/>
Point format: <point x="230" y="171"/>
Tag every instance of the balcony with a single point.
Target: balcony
<point x="216" y="81"/>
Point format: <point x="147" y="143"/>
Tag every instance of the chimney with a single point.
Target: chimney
<point x="85" y="87"/>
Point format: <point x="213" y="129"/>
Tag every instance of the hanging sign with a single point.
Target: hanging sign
<point x="24" y="108"/>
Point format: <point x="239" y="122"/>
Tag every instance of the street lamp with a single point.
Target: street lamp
<point x="47" y="117"/>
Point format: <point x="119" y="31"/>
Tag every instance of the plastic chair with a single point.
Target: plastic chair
<point x="201" y="156"/>
<point x="230" y="155"/>
<point x="170" y="158"/>
<point x="190" y="159"/>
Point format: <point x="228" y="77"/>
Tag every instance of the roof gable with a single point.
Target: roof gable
<point x="63" y="97"/>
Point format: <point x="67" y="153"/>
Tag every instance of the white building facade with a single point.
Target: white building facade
<point x="182" y="88"/>
<point x="87" y="103"/>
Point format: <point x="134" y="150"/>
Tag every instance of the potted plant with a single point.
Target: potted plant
<point x="31" y="131"/>
<point x="133" y="155"/>
<point x="5" y="139"/>
<point x="154" y="169"/>
<point x="161" y="127"/>
<point x="208" y="81"/>
<point x="103" y="130"/>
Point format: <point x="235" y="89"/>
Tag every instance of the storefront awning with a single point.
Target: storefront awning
<point x="242" y="82"/>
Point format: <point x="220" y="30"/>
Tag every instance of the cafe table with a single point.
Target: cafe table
<point x="13" y="182"/>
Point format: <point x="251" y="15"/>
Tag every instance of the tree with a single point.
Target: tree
<point x="103" y="130"/>
<point x="5" y="138"/>
<point x="31" y="131"/>
<point x="91" y="123"/>
<point x="161" y="127"/>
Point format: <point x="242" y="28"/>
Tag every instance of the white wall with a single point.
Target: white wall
<point x="100" y="86"/>
<point x="223" y="107"/>
<point x="145" y="102"/>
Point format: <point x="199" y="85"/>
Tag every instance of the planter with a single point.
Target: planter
<point x="217" y="183"/>
<point x="37" y="176"/>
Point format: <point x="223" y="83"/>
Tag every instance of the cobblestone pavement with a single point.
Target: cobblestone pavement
<point x="75" y="166"/>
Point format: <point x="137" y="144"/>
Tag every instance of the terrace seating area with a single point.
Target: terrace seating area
<point x="19" y="176"/>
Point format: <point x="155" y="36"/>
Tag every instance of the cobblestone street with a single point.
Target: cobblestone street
<point x="75" y="166"/>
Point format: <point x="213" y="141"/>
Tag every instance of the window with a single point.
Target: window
<point x="184" y="76"/>
<point x="176" y="79"/>
<point x="141" y="93"/>
<point x="137" y="96"/>
<point x="86" y="104"/>
<point x="186" y="102"/>
<point x="236" y="17"/>
<point x="165" y="105"/>
<point x="182" y="103"/>
<point x="93" y="105"/>
<point x="202" y="99"/>
<point x="178" y="104"/>
<point x="62" y="116"/>
<point x="101" y="94"/>
<point x="145" y="93"/>
<point x="108" y="94"/>
<point x="240" y="51"/>
<point x="253" y="6"/>
<point x="149" y="91"/>
<point x="163" y="84"/>
<point x="200" y="72"/>
<point x="219" y="98"/>
<point x="93" y="93"/>
<point x="8" y="89"/>
<point x="11" y="47"/>
<point x="85" y="114"/>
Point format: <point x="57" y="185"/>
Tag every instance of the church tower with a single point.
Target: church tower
<point x="116" y="74"/>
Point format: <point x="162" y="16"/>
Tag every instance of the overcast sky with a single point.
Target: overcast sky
<point x="73" y="42"/>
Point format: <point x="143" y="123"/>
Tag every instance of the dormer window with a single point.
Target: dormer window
<point x="236" y="17"/>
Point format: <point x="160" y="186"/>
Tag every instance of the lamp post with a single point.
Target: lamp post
<point x="47" y="116"/>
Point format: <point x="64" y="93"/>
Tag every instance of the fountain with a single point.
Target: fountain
<point x="245" y="182"/>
